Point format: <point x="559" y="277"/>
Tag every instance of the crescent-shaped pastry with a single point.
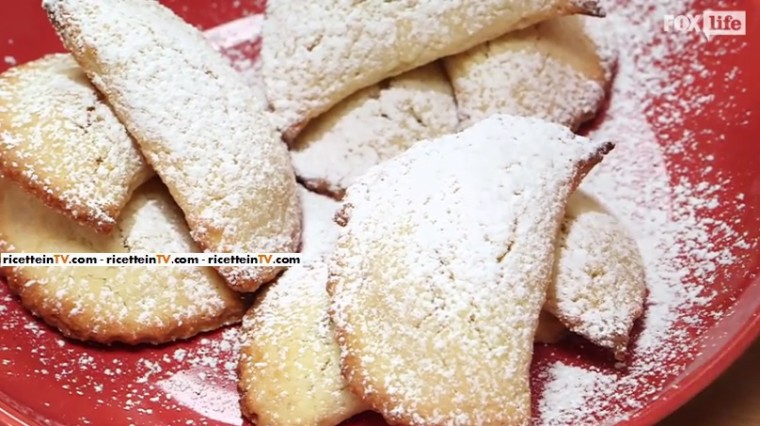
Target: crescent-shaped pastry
<point x="196" y="121"/>
<point x="108" y="304"/>
<point x="445" y="258"/>
<point x="317" y="53"/>
<point x="553" y="70"/>
<point x="61" y="141"/>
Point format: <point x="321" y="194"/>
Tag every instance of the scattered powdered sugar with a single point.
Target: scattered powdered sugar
<point x="240" y="41"/>
<point x="568" y="392"/>
<point x="200" y="393"/>
<point x="9" y="60"/>
<point x="670" y="216"/>
<point x="235" y="33"/>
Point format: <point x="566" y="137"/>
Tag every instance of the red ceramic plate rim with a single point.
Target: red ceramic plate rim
<point x="712" y="369"/>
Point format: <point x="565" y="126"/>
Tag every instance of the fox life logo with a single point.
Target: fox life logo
<point x="710" y="23"/>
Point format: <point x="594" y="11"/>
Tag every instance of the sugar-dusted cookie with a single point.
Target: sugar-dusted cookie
<point x="442" y="267"/>
<point x="553" y="70"/>
<point x="106" y="304"/>
<point x="197" y="123"/>
<point x="373" y="125"/>
<point x="317" y="53"/>
<point x="289" y="364"/>
<point x="61" y="142"/>
<point x="600" y="284"/>
<point x="289" y="361"/>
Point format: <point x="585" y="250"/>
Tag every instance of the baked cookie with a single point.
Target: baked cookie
<point x="60" y="141"/>
<point x="600" y="284"/>
<point x="445" y="257"/>
<point x="553" y="70"/>
<point x="317" y="53"/>
<point x="373" y="125"/>
<point x="108" y="304"/>
<point x="197" y="123"/>
<point x="289" y="361"/>
<point x="289" y="367"/>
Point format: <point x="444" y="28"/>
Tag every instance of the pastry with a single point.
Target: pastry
<point x="599" y="286"/>
<point x="316" y="53"/>
<point x="445" y="257"/>
<point x="289" y="361"/>
<point x="288" y="366"/>
<point x="107" y="304"/>
<point x="373" y="125"/>
<point x="60" y="141"/>
<point x="197" y="123"/>
<point x="553" y="70"/>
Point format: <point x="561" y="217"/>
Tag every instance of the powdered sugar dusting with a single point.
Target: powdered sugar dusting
<point x="240" y="41"/>
<point x="201" y="394"/>
<point x="569" y="392"/>
<point x="48" y="110"/>
<point x="289" y="361"/>
<point x="197" y="123"/>
<point x="373" y="125"/>
<point x="551" y="70"/>
<point x="671" y="216"/>
<point x="317" y="53"/>
<point x="599" y="280"/>
<point x="447" y="250"/>
<point x="319" y="229"/>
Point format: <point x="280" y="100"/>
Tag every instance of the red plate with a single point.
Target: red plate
<point x="45" y="379"/>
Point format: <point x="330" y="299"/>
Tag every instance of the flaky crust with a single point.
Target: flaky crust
<point x="61" y="142"/>
<point x="129" y="304"/>
<point x="196" y="121"/>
